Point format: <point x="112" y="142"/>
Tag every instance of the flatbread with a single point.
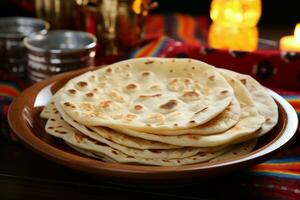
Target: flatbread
<point x="264" y="103"/>
<point x="148" y="94"/>
<point x="47" y="110"/>
<point x="91" y="154"/>
<point x="237" y="151"/>
<point x="59" y="128"/>
<point x="245" y="129"/>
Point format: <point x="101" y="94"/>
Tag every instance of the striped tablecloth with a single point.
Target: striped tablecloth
<point x="182" y="36"/>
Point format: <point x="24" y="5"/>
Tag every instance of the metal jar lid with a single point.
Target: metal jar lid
<point x="60" y="42"/>
<point x="20" y="27"/>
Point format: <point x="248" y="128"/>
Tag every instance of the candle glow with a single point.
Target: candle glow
<point x="297" y="32"/>
<point x="291" y="42"/>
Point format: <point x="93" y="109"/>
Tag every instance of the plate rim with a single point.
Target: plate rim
<point x="123" y="169"/>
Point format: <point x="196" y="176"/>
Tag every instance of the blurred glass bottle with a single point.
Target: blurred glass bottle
<point x="61" y="14"/>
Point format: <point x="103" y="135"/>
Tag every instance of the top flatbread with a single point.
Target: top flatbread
<point x="244" y="130"/>
<point x="148" y="94"/>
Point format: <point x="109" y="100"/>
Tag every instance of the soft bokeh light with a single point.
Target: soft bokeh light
<point x="136" y="6"/>
<point x="236" y="12"/>
<point x="297" y="32"/>
<point x="291" y="42"/>
<point x="233" y="37"/>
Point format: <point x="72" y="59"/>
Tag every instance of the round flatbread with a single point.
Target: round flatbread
<point x="264" y="103"/>
<point x="148" y="94"/>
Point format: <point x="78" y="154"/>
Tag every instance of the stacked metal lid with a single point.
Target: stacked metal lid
<point x="12" y="32"/>
<point x="58" y="51"/>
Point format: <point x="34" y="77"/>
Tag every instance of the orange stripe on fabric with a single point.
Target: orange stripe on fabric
<point x="296" y="101"/>
<point x="179" y="27"/>
<point x="186" y="29"/>
<point x="192" y="27"/>
<point x="184" y="26"/>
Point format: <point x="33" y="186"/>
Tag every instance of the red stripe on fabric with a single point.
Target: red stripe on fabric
<point x="5" y="109"/>
<point x="154" y="27"/>
<point x="278" y="166"/>
<point x="7" y="90"/>
<point x="295" y="104"/>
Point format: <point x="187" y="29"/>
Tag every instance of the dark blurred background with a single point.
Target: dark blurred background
<point x="275" y="12"/>
<point x="282" y="13"/>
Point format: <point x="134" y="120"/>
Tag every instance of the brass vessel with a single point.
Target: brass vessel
<point x="118" y="24"/>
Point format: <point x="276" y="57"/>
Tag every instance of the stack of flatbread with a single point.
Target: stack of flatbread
<point x="160" y="111"/>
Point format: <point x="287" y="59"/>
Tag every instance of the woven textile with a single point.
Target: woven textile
<point x="182" y="36"/>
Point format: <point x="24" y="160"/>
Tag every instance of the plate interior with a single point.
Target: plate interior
<point x="30" y="129"/>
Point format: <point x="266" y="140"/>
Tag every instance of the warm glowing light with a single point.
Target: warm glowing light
<point x="136" y="6"/>
<point x="236" y="12"/>
<point x="82" y="2"/>
<point x="233" y="37"/>
<point x="291" y="42"/>
<point x="297" y="32"/>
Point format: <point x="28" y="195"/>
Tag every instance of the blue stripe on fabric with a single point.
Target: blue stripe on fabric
<point x="161" y="46"/>
<point x="274" y="174"/>
<point x="291" y="96"/>
<point x="284" y="160"/>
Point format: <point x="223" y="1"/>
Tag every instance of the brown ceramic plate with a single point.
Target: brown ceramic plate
<point x="25" y="121"/>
